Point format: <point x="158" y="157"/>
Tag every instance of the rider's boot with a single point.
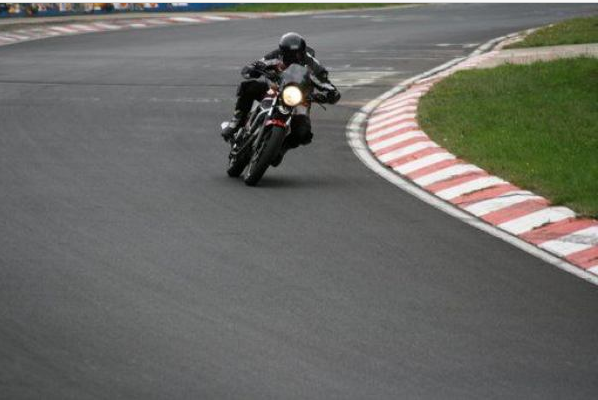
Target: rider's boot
<point x="233" y="126"/>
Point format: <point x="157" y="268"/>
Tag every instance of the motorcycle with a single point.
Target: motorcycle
<point x="259" y="143"/>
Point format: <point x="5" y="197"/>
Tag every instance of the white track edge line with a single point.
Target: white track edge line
<point x="355" y="134"/>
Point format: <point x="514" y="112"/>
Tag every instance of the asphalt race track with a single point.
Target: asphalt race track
<point x="132" y="267"/>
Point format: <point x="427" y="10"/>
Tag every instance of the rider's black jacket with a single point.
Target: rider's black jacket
<point x="273" y="60"/>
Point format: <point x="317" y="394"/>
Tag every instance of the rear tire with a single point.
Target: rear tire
<point x="261" y="159"/>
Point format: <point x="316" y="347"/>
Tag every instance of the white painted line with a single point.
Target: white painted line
<point x="136" y="25"/>
<point x="397" y="139"/>
<point x="468" y="187"/>
<point x="405" y="151"/>
<point x="392" y="129"/>
<point x="574" y="242"/>
<point x="423" y="162"/>
<point x="496" y="203"/>
<point x="446" y="173"/>
<point x="538" y="218"/>
<point x="7" y="39"/>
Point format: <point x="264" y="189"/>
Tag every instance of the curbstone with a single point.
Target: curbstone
<point x="408" y="158"/>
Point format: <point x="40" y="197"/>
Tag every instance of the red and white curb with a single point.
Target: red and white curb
<point x="43" y="32"/>
<point x="386" y="136"/>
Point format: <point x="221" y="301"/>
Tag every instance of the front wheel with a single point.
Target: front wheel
<point x="237" y="162"/>
<point x="269" y="148"/>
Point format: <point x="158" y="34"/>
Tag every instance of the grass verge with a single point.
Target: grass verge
<point x="284" y="7"/>
<point x="573" y="31"/>
<point x="535" y="125"/>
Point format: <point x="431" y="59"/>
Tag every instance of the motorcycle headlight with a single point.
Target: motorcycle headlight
<point x="292" y="96"/>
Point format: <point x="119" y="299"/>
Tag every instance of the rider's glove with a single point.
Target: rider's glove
<point x="333" y="97"/>
<point x="320" y="98"/>
<point x="253" y="70"/>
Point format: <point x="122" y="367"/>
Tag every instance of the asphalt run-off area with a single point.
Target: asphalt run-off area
<point x="132" y="267"/>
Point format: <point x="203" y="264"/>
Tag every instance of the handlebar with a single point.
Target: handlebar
<point x="271" y="75"/>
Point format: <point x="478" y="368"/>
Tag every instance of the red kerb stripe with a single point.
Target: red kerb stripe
<point x="557" y="230"/>
<point x="402" y="144"/>
<point x="415" y="156"/>
<point x="448" y="183"/>
<point x="433" y="168"/>
<point x="515" y="211"/>
<point x="585" y="258"/>
<point x="484" y="194"/>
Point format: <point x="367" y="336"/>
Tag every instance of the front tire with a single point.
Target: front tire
<point x="237" y="164"/>
<point x="264" y="154"/>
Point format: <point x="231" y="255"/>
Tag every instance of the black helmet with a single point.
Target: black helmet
<point x="292" y="48"/>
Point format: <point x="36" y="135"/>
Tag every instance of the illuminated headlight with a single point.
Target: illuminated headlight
<point x="292" y="96"/>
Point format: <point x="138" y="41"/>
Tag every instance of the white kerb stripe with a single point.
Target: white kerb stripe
<point x="8" y="39"/>
<point x="397" y="104"/>
<point x="574" y="242"/>
<point x="48" y="32"/>
<point x="137" y="25"/>
<point x="384" y="119"/>
<point x="390" y="119"/>
<point x="215" y="17"/>
<point x="402" y="103"/>
<point x="184" y="19"/>
<point x="446" y="173"/>
<point x="593" y="270"/>
<point x="395" y="100"/>
<point x="508" y="199"/>
<point x="533" y="220"/>
<point x="106" y="26"/>
<point x="156" y="21"/>
<point x="397" y="139"/>
<point x="63" y="29"/>
<point x="408" y="102"/>
<point x="405" y="151"/>
<point x="401" y="108"/>
<point x="468" y="187"/>
<point x="381" y="119"/>
<point x="389" y="110"/>
<point x="392" y="129"/>
<point x="82" y="27"/>
<point x="14" y="36"/>
<point x="423" y="162"/>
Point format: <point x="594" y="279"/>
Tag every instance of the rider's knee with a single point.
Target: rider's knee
<point x="252" y="88"/>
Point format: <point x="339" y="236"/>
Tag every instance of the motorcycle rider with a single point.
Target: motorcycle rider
<point x="292" y="49"/>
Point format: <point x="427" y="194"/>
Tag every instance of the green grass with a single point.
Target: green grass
<point x="534" y="125"/>
<point x="284" y="7"/>
<point x="573" y="31"/>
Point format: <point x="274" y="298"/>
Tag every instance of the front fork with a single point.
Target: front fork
<point x="277" y="116"/>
